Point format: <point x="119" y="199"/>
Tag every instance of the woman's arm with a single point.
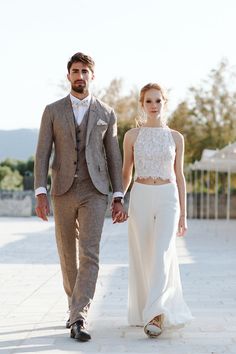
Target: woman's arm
<point x="180" y="180"/>
<point x="126" y="172"/>
<point x="128" y="159"/>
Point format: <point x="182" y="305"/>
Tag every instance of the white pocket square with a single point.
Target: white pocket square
<point x="101" y="122"/>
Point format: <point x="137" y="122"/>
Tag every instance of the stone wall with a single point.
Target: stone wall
<point x="22" y="203"/>
<point x="16" y="203"/>
<point x="194" y="206"/>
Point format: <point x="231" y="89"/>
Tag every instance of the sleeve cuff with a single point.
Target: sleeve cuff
<point x="40" y="190"/>
<point x="118" y="194"/>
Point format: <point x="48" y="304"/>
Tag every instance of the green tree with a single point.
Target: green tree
<point x="215" y="107"/>
<point x="13" y="171"/>
<point x="207" y="118"/>
<point x="125" y="106"/>
<point x="10" y="180"/>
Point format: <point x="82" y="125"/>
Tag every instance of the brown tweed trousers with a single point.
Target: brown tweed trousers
<point x="91" y="153"/>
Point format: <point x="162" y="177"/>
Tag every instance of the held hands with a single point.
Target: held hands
<point x="182" y="226"/>
<point x="118" y="213"/>
<point x="42" y="207"/>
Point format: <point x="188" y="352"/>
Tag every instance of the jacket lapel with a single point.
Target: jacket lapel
<point x="92" y="118"/>
<point x="68" y="111"/>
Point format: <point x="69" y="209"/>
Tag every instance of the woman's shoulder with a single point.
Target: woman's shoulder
<point x="178" y="137"/>
<point x="131" y="136"/>
<point x="132" y="133"/>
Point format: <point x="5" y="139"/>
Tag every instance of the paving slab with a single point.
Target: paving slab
<point x="33" y="303"/>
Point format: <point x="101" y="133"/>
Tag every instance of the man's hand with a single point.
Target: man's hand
<point x="118" y="213"/>
<point x="42" y="207"/>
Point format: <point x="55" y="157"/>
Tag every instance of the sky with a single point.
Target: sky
<point x="174" y="43"/>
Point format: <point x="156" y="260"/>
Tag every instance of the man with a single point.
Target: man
<point x="82" y="132"/>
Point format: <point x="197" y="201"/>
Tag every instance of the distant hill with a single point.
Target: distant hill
<point x="18" y="144"/>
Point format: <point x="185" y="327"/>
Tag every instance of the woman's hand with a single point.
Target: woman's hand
<point x="118" y="213"/>
<point x="182" y="226"/>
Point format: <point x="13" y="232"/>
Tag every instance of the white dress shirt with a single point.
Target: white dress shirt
<point x="80" y="107"/>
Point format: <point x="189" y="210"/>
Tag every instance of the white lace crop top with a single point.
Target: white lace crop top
<point x="154" y="153"/>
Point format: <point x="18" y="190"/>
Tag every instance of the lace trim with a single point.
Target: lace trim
<point x="154" y="153"/>
<point x="155" y="177"/>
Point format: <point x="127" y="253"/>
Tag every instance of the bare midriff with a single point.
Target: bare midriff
<point x="152" y="181"/>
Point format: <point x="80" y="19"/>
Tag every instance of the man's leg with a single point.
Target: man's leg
<point x="65" y="214"/>
<point x="91" y="216"/>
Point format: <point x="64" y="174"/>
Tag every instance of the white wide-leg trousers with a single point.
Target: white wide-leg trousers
<point x="154" y="279"/>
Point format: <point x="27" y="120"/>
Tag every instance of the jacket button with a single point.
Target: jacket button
<point x="75" y="162"/>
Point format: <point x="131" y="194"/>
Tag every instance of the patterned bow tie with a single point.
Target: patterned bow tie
<point x="78" y="104"/>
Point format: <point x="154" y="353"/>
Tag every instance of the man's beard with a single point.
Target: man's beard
<point x="79" y="89"/>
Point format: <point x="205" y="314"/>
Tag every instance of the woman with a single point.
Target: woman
<point x="157" y="212"/>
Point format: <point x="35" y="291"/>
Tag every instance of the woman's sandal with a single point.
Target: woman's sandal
<point x="154" y="327"/>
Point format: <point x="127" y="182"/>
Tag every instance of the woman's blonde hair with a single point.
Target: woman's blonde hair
<point x="142" y="116"/>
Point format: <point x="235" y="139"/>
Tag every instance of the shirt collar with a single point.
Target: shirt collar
<point x="77" y="100"/>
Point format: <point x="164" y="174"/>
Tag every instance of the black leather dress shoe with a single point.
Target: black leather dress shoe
<point x="79" y="331"/>
<point x="68" y="323"/>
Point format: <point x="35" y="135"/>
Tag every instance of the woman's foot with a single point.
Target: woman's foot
<point x="154" y="327"/>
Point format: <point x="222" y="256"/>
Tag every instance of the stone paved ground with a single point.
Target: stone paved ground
<point x="33" y="304"/>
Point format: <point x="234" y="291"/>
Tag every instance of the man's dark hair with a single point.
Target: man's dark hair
<point x="83" y="58"/>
